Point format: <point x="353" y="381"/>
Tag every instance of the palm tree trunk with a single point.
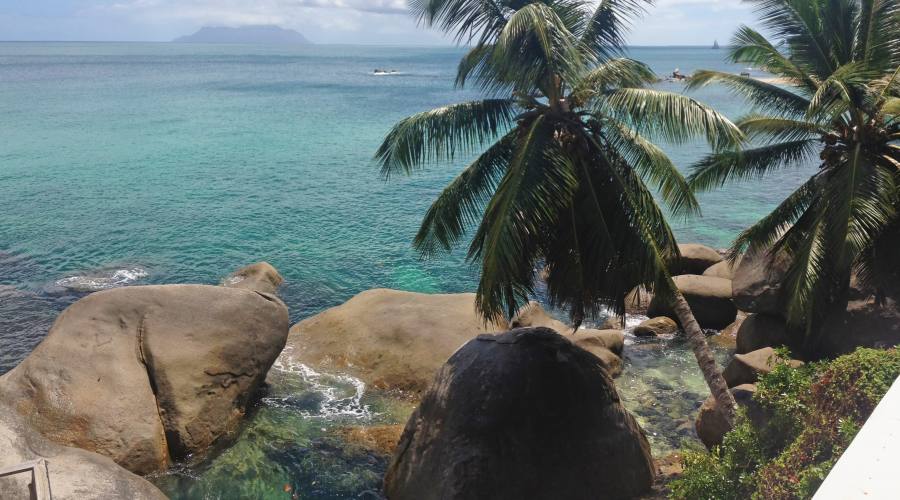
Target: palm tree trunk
<point x="717" y="386"/>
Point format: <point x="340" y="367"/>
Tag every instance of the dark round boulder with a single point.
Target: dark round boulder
<point x="523" y="414"/>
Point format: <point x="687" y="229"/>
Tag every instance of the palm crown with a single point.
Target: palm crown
<point x="565" y="156"/>
<point x="839" y="60"/>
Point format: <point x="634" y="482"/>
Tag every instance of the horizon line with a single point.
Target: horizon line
<point x="372" y="44"/>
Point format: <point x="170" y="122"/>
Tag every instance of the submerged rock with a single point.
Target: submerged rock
<point x="708" y="297"/>
<point x="652" y="327"/>
<point x="149" y="374"/>
<point x="73" y="474"/>
<point x="523" y="414"/>
<point x="390" y="339"/>
<point x="695" y="259"/>
<point x="381" y="439"/>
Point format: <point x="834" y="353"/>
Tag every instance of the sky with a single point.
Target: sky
<point x="669" y="22"/>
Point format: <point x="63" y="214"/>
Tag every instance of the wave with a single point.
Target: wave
<point x="340" y="394"/>
<point x="102" y="280"/>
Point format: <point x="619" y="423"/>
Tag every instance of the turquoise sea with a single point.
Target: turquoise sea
<point x="133" y="163"/>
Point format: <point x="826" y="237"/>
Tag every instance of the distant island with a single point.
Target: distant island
<point x="245" y="34"/>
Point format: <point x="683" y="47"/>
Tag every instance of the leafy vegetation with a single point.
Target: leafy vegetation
<point x="839" y="60"/>
<point x="784" y="445"/>
<point x="565" y="164"/>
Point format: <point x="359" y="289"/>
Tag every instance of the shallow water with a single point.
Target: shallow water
<point x="166" y="163"/>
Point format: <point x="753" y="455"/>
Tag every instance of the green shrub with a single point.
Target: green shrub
<point x="806" y="418"/>
<point x="726" y="472"/>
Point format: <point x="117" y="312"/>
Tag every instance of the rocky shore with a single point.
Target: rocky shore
<point x="132" y="380"/>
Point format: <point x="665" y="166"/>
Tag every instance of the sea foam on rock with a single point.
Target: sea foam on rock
<point x="149" y="374"/>
<point x="523" y="414"/>
<point x="391" y="340"/>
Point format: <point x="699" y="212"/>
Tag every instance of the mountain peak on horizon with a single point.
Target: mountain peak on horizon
<point x="252" y="34"/>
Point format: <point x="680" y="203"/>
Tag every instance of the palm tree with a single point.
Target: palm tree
<point x="839" y="62"/>
<point x="564" y="157"/>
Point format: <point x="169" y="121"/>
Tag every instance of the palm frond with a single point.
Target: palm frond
<point x="719" y="168"/>
<point x="604" y="35"/>
<point x="846" y="87"/>
<point x="799" y="23"/>
<point x="769" y="129"/>
<point x="615" y="73"/>
<point x="460" y="204"/>
<point x="672" y="117"/>
<point x="749" y="46"/>
<point x="762" y="235"/>
<point x="442" y="133"/>
<point x="654" y="167"/>
<point x="534" y="45"/>
<point x="764" y="96"/>
<point x="526" y="202"/>
<point x="468" y="20"/>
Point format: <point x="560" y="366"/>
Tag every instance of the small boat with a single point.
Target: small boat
<point x="715" y="44"/>
<point x="382" y="72"/>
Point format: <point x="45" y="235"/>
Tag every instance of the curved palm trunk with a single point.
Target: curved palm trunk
<point x="724" y="399"/>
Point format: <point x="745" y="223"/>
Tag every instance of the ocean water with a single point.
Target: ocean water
<point x="167" y="163"/>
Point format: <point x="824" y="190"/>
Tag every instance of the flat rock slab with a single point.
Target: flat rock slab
<point x="392" y="340"/>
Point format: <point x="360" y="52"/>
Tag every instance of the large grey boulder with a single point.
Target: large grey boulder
<point x="711" y="425"/>
<point x="606" y="344"/>
<point x="761" y="330"/>
<point x="73" y="474"/>
<point x="724" y="269"/>
<point x="864" y="323"/>
<point x="747" y="368"/>
<point x="149" y="374"/>
<point x="524" y="414"/>
<point x="709" y="298"/>
<point x="695" y="259"/>
<point x="757" y="283"/>
<point x="392" y="340"/>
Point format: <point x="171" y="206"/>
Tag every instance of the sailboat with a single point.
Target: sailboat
<point x="715" y="44"/>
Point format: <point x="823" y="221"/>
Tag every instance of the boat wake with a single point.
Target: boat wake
<point x="102" y="280"/>
<point x="337" y="395"/>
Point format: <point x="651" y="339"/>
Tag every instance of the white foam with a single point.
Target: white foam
<point x="103" y="280"/>
<point x="342" y="393"/>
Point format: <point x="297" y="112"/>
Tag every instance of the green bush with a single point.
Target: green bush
<point x="806" y="417"/>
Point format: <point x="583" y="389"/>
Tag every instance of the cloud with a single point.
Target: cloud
<point x="237" y="12"/>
